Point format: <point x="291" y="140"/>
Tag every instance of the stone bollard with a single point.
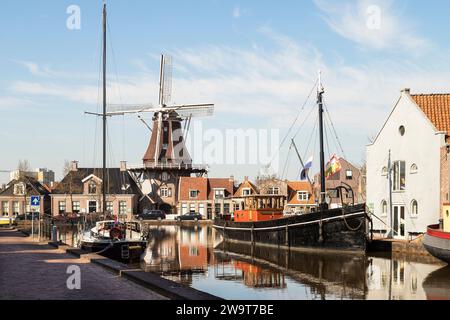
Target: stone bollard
<point x="54" y="234"/>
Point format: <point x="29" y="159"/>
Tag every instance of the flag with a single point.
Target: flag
<point x="333" y="167"/>
<point x="305" y="171"/>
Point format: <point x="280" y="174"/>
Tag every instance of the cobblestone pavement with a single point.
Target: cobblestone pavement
<point x="33" y="271"/>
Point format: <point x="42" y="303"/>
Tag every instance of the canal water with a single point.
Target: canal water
<point x="197" y="257"/>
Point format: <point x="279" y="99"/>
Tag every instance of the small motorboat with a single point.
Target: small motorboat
<point x="119" y="241"/>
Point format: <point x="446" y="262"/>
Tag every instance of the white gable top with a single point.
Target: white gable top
<point x="92" y="176"/>
<point x="407" y="95"/>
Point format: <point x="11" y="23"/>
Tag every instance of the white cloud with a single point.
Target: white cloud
<point x="375" y="24"/>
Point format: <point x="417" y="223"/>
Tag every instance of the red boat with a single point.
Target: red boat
<point x="437" y="242"/>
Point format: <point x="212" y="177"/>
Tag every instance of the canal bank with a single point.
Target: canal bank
<point x="39" y="271"/>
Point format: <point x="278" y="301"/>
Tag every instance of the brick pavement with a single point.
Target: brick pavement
<point x="34" y="271"/>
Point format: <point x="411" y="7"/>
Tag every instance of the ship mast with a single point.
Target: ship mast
<point x="104" y="111"/>
<point x="323" y="205"/>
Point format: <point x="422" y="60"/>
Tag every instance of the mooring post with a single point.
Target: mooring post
<point x="287" y="236"/>
<point x="252" y="235"/>
<point x="54" y="234"/>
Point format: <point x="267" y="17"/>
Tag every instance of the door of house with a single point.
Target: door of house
<point x="399" y="222"/>
<point x="201" y="209"/>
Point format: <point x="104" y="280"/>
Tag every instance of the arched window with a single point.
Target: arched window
<point x="414" y="168"/>
<point x="414" y="208"/>
<point x="92" y="187"/>
<point x="384" y="171"/>
<point x="384" y="208"/>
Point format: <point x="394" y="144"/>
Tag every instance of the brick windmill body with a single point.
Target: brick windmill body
<point x="167" y="158"/>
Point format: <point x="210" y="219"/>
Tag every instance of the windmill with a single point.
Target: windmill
<point x="167" y="143"/>
<point x="166" y="158"/>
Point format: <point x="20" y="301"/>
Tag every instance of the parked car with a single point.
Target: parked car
<point x="191" y="216"/>
<point x="28" y="216"/>
<point x="4" y="221"/>
<point x="151" y="215"/>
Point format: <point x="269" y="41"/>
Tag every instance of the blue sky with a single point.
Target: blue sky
<point x="256" y="60"/>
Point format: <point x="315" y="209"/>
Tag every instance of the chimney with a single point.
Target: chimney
<point x="232" y="178"/>
<point x="406" y="91"/>
<point x="123" y="166"/>
<point x="74" y="166"/>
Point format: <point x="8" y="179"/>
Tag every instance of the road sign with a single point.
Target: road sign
<point x="35" y="201"/>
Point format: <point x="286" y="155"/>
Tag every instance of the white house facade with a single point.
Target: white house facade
<point x="414" y="139"/>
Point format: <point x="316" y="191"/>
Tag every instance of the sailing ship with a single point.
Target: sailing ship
<point x="262" y="221"/>
<point x="111" y="238"/>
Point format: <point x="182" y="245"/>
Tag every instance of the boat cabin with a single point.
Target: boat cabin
<point x="260" y="208"/>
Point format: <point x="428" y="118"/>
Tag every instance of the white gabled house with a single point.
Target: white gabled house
<point x="415" y="138"/>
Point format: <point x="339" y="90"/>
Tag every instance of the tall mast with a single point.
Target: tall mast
<point x="104" y="111"/>
<point x="320" y="91"/>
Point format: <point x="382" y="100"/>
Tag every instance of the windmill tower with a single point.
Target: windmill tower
<point x="166" y="158"/>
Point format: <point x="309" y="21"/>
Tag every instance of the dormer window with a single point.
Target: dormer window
<point x="19" y="189"/>
<point x="92" y="187"/>
<point x="219" y="193"/>
<point x="246" y="192"/>
<point x="273" y="191"/>
<point x="302" y="195"/>
<point x="193" y="194"/>
<point x="349" y="174"/>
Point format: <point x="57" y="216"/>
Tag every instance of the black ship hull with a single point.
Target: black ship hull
<point x="337" y="229"/>
<point x="122" y="251"/>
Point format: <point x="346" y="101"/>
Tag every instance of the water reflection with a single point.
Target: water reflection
<point x="196" y="256"/>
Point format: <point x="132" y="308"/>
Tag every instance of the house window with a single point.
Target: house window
<point x="62" y="207"/>
<point x="219" y="193"/>
<point x="92" y="187"/>
<point x="165" y="176"/>
<point x="273" y="191"/>
<point x="92" y="206"/>
<point x="384" y="171"/>
<point x="414" y="208"/>
<point x="384" y="208"/>
<point x="5" y="208"/>
<point x="110" y="207"/>
<point x="19" y="189"/>
<point x="16" y="208"/>
<point x="414" y="169"/>
<point x="302" y="196"/>
<point x="192" y="207"/>
<point x="349" y="174"/>
<point x="164" y="192"/>
<point x="76" y="207"/>
<point x="123" y="208"/>
<point x="226" y="208"/>
<point x="246" y="192"/>
<point x="402" y="130"/>
<point x="217" y="208"/>
<point x="193" y="194"/>
<point x="399" y="176"/>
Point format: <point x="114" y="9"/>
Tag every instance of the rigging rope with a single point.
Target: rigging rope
<point x="294" y="122"/>
<point x="334" y="130"/>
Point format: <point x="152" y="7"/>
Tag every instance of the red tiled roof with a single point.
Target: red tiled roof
<point x="195" y="184"/>
<point x="437" y="109"/>
<point x="218" y="183"/>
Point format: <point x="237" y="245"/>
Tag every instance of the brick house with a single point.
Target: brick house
<point x="246" y="188"/>
<point x="415" y="138"/>
<point x="16" y="197"/>
<point x="300" y="199"/>
<point x="208" y="196"/>
<point x="349" y="175"/>
<point x="81" y="192"/>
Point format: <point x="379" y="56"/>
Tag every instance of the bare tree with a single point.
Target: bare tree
<point x="66" y="168"/>
<point x="24" y="166"/>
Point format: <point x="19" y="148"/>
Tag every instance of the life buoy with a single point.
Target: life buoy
<point x="115" y="233"/>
